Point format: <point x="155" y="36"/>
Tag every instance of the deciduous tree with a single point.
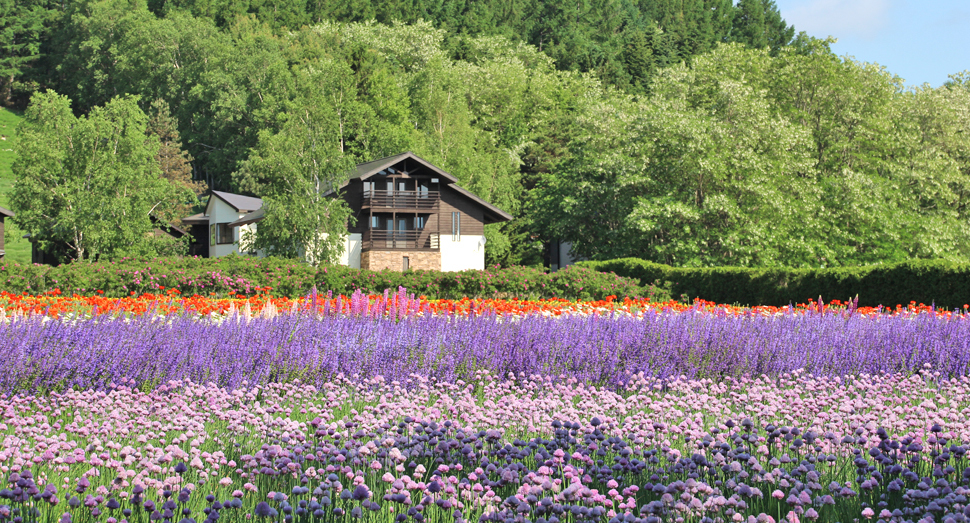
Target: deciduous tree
<point x="91" y="183"/>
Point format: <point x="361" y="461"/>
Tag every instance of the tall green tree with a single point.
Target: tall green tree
<point x="298" y="169"/>
<point x="91" y="184"/>
<point x="778" y="33"/>
<point x="24" y="27"/>
<point x="646" y="52"/>
<point x="173" y="161"/>
<point x="722" y="18"/>
<point x="748" y="26"/>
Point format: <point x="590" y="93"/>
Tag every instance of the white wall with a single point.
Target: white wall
<point x="466" y="253"/>
<point x="351" y="255"/>
<point x="221" y="212"/>
<point x="247" y="232"/>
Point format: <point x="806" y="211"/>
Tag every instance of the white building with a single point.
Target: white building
<point x="213" y="230"/>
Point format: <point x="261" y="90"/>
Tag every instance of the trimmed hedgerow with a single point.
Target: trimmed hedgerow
<point x="947" y="284"/>
<point x="246" y="275"/>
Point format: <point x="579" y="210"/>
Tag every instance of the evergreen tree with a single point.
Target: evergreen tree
<point x="700" y="31"/>
<point x="174" y="162"/>
<point x="646" y="52"/>
<point x="749" y="24"/>
<point x="777" y="34"/>
<point x="722" y="16"/>
<point x="23" y="28"/>
<point x="670" y="18"/>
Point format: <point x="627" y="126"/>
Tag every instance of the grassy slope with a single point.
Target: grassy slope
<point x="18" y="249"/>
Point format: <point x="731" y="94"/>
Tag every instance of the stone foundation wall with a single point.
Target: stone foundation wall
<point x="394" y="260"/>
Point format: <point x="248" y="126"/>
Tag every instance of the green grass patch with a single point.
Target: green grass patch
<point x="18" y="249"/>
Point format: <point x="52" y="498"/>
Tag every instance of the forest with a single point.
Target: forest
<point x="687" y="132"/>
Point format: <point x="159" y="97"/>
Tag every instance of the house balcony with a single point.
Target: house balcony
<point x="378" y="240"/>
<point x="410" y="200"/>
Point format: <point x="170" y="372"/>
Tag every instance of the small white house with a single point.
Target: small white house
<point x="215" y="226"/>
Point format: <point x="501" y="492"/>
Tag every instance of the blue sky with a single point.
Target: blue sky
<point x="920" y="41"/>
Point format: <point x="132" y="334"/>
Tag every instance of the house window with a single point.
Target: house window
<point x="212" y="234"/>
<point x="368" y="189"/>
<point x="224" y="234"/>
<point x="407" y="264"/>
<point x="419" y="222"/>
<point x="455" y="226"/>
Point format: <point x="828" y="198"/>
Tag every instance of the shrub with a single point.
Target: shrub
<point x="947" y="284"/>
<point x="245" y="275"/>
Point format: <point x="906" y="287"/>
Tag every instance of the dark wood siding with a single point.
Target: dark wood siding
<point x="353" y="195"/>
<point x="472" y="219"/>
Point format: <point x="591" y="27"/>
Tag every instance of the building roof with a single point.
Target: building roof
<point x="367" y="169"/>
<point x="239" y="202"/>
<point x="492" y="213"/>
<point x="252" y="217"/>
<point x="375" y="167"/>
<point x="196" y="219"/>
<point x="6" y="212"/>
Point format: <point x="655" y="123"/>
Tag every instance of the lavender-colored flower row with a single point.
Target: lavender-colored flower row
<point x="38" y="355"/>
<point x="794" y="447"/>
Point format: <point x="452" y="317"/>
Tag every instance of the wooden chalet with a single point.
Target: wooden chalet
<point x="410" y="215"/>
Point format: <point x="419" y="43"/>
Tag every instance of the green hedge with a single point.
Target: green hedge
<point x="244" y="275"/>
<point x="946" y="284"/>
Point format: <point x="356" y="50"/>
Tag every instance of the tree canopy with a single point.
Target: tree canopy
<point x="90" y="186"/>
<point x="690" y="132"/>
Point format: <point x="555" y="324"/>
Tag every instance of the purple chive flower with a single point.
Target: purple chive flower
<point x="263" y="509"/>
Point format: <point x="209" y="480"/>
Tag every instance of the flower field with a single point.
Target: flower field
<point x="56" y="305"/>
<point x="159" y="408"/>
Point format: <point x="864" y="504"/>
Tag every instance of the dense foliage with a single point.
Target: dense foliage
<point x="623" y="41"/>
<point x="676" y="131"/>
<point x="945" y="284"/>
<point x="747" y="159"/>
<point x="281" y="277"/>
<point x="91" y="187"/>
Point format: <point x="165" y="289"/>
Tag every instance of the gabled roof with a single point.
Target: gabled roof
<point x="492" y="213"/>
<point x="365" y="170"/>
<point x="239" y="202"/>
<point x="6" y="212"/>
<point x="368" y="169"/>
<point x="252" y="217"/>
<point x="167" y="228"/>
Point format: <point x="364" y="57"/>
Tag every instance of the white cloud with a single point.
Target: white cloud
<point x="839" y="18"/>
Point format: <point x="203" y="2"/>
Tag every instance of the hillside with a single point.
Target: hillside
<point x="17" y="248"/>
<point x="725" y="148"/>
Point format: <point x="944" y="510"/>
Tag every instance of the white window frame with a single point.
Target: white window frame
<point x="455" y="226"/>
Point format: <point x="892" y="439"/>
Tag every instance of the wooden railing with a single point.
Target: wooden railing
<point x="414" y="240"/>
<point x="402" y="199"/>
